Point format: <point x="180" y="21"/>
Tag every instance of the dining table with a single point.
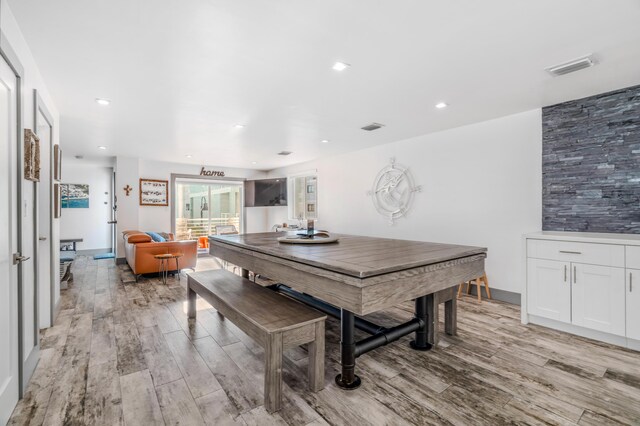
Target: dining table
<point x="356" y="276"/>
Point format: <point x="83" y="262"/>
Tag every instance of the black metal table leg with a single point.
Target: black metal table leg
<point x="420" y="343"/>
<point x="348" y="378"/>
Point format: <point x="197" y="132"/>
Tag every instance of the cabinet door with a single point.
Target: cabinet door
<point x="598" y="298"/>
<point x="633" y="304"/>
<point x="549" y="289"/>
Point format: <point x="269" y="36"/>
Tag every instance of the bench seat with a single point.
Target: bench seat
<point x="273" y="320"/>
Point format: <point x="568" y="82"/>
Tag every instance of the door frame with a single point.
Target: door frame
<point x="210" y="179"/>
<point x="9" y="55"/>
<point x="39" y="106"/>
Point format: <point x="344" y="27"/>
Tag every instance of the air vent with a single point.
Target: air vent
<point x="372" y="126"/>
<point x="284" y="153"/>
<point x="572" y="66"/>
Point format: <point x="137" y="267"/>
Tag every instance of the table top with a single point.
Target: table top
<point x="168" y="255"/>
<point x="356" y="256"/>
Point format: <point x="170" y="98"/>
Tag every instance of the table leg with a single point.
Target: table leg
<point x="178" y="269"/>
<point x="420" y="343"/>
<point x="348" y="378"/>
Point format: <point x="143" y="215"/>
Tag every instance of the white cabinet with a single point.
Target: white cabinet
<point x="633" y="303"/>
<point x="598" y="298"/>
<point x="587" y="284"/>
<point x="549" y="294"/>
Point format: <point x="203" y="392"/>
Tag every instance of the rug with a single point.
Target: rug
<point x="104" y="256"/>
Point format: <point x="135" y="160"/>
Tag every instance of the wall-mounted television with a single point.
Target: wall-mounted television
<point x="265" y="193"/>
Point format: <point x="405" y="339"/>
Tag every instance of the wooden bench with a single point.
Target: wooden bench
<point x="273" y="320"/>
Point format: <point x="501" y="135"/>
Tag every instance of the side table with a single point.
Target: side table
<point x="164" y="260"/>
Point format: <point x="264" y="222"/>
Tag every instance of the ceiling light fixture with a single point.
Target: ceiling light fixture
<point x="239" y="126"/>
<point x="102" y="101"/>
<point x="325" y="141"/>
<point x="254" y="162"/>
<point x="441" y="105"/>
<point x="340" y="66"/>
<point x="188" y="155"/>
<point x="102" y="147"/>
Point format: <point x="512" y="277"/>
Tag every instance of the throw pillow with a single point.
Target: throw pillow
<point x="156" y="237"/>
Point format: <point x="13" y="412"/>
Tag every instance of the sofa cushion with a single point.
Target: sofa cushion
<point x="156" y="237"/>
<point x="138" y="238"/>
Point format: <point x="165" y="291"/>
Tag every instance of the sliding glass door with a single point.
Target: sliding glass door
<point x="201" y="206"/>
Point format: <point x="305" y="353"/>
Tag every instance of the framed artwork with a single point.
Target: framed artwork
<point x="154" y="192"/>
<point x="57" y="202"/>
<point x="74" y="196"/>
<point x="31" y="156"/>
<point x="57" y="163"/>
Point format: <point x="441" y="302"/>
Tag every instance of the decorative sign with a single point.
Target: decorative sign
<point x="393" y="191"/>
<point x="31" y="156"/>
<point x="154" y="192"/>
<point x="204" y="172"/>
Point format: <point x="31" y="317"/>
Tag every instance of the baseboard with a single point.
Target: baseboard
<point x="92" y="252"/>
<point x="121" y="260"/>
<point x="500" y="295"/>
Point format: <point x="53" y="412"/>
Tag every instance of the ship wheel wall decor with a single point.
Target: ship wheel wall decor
<point x="393" y="191"/>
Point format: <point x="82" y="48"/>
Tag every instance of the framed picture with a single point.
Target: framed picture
<point x="74" y="196"/>
<point x="31" y="156"/>
<point x="57" y="204"/>
<point x="57" y="163"/>
<point x="154" y="192"/>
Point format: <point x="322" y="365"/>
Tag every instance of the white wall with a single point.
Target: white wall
<point x="89" y="224"/>
<point x="127" y="173"/>
<point x="32" y="79"/>
<point x="482" y="186"/>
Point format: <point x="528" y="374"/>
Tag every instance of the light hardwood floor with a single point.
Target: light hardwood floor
<point x="122" y="352"/>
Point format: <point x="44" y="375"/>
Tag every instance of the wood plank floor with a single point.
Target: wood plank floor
<point x="125" y="353"/>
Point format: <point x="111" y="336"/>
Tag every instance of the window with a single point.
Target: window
<point x="304" y="193"/>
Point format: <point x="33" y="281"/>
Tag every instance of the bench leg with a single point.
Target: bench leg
<point x="316" y="360"/>
<point x="191" y="295"/>
<point x="451" y="316"/>
<point x="273" y="373"/>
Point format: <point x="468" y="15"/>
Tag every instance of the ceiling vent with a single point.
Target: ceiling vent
<point x="372" y="126"/>
<point x="284" y="153"/>
<point x="572" y="66"/>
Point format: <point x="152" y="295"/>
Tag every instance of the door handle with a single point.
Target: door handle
<point x="112" y="222"/>
<point x="630" y="282"/>
<point x="570" y="252"/>
<point x="42" y="239"/>
<point x="575" y="278"/>
<point x="17" y="258"/>
<point x="565" y="273"/>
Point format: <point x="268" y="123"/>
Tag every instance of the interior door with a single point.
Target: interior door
<point x="9" y="365"/>
<point x="46" y="272"/>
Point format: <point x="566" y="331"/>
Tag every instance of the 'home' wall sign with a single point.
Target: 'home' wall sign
<point x="204" y="172"/>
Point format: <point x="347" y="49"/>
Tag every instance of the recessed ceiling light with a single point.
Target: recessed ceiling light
<point x="239" y="126"/>
<point x="188" y="155"/>
<point x="340" y="66"/>
<point x="254" y="162"/>
<point x="102" y="101"/>
<point x="325" y="141"/>
<point x="441" y="105"/>
<point x="102" y="147"/>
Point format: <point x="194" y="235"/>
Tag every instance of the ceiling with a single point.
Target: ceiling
<point x="182" y="74"/>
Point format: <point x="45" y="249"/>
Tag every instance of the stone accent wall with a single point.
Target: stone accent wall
<point x="591" y="164"/>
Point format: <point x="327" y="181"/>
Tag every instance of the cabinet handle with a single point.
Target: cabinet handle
<point x="570" y="252"/>
<point x="565" y="273"/>
<point x="575" y="278"/>
<point x="630" y="282"/>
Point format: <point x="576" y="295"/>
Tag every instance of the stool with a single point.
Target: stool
<point x="164" y="264"/>
<point x="478" y="282"/>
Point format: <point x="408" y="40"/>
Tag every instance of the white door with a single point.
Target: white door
<point x="598" y="298"/>
<point x="549" y="289"/>
<point x="45" y="210"/>
<point x="9" y="365"/>
<point x="633" y="304"/>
